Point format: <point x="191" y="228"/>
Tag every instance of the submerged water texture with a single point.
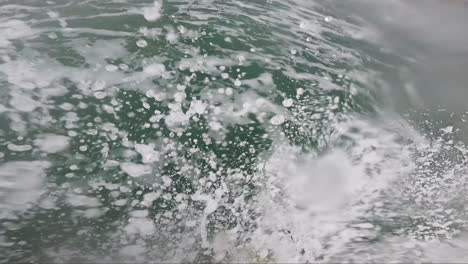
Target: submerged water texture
<point x="221" y="131"/>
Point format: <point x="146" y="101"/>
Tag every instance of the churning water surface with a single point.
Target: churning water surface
<point x="233" y="131"/>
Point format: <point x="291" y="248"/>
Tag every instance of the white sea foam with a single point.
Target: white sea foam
<point x="135" y="170"/>
<point x="21" y="185"/>
<point x="153" y="13"/>
<point x="52" y="143"/>
<point x="322" y="202"/>
<point x="147" y="152"/>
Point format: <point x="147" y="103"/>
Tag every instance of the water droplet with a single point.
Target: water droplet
<point x="288" y="102"/>
<point x="179" y="97"/>
<point x="142" y="43"/>
<point x="53" y="14"/>
<point x="182" y="29"/>
<point x="52" y="35"/>
<point x="112" y="68"/>
<point x="99" y="85"/>
<point x="277" y="120"/>
<point x="123" y="66"/>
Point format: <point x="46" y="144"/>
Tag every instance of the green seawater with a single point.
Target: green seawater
<point x="216" y="131"/>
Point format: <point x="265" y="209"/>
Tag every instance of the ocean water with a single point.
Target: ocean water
<point x="249" y="131"/>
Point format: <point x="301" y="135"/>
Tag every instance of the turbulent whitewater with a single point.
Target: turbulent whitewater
<point x="233" y="131"/>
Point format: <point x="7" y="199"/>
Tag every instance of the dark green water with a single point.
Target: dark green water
<point x="218" y="131"/>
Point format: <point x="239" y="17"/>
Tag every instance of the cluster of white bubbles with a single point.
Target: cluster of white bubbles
<point x="229" y="131"/>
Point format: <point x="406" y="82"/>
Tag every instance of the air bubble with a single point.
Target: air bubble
<point x="277" y="120"/>
<point x="142" y="43"/>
